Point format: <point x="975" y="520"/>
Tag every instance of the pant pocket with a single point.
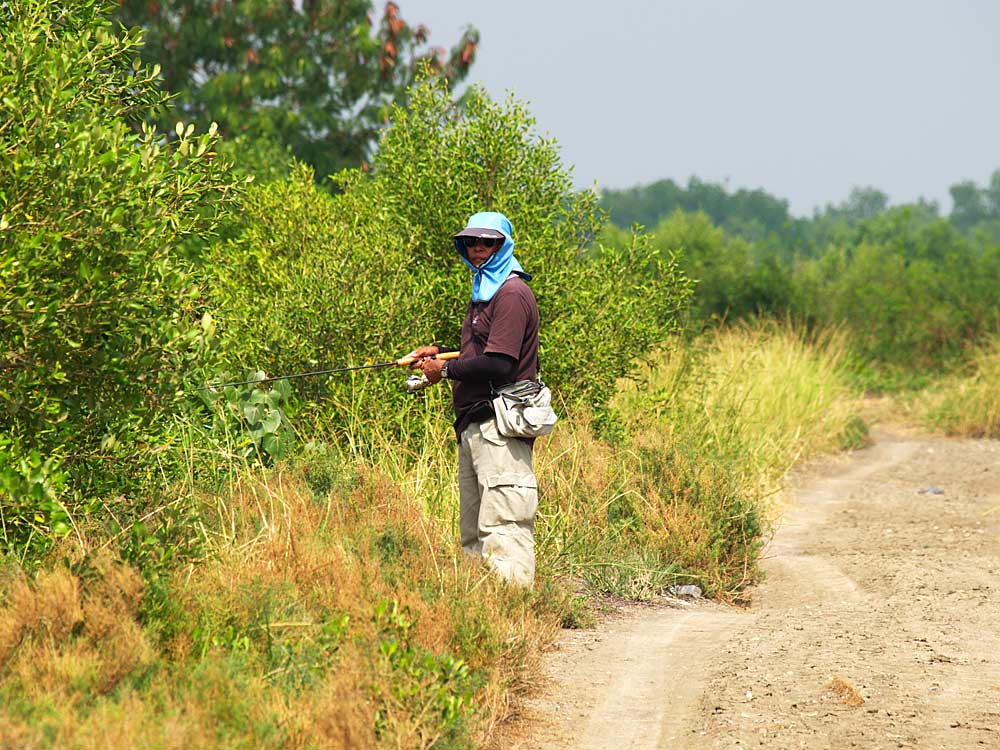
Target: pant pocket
<point x="509" y="498"/>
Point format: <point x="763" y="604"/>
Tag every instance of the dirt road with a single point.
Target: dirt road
<point x="877" y="626"/>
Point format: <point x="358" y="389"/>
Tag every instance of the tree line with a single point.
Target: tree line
<point x="756" y="215"/>
<point x="917" y="289"/>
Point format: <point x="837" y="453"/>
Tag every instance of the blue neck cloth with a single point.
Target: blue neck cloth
<point x="494" y="272"/>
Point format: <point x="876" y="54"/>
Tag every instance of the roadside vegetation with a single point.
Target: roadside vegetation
<point x="915" y="293"/>
<point x="966" y="402"/>
<point x="323" y="601"/>
<point x="276" y="565"/>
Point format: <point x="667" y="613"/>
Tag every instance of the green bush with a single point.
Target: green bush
<point x="97" y="303"/>
<point x="315" y="280"/>
<point x="914" y="294"/>
<point x="735" y="279"/>
<point x="30" y="486"/>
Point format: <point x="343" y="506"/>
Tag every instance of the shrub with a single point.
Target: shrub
<point x="913" y="293"/>
<point x="97" y="316"/>
<point x="736" y="279"/>
<point x="369" y="274"/>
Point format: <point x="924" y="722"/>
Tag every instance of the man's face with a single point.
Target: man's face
<point x="481" y="249"/>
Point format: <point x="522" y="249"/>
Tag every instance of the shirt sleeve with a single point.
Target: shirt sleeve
<point x="485" y="368"/>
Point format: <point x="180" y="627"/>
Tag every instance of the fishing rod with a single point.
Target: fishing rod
<point x="402" y="362"/>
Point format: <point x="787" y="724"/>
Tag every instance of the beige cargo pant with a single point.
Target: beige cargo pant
<point x="498" y="498"/>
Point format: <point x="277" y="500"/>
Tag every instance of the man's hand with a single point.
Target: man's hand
<point x="430" y="367"/>
<point x="420" y="354"/>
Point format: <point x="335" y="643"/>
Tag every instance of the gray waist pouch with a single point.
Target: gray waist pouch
<point x="524" y="409"/>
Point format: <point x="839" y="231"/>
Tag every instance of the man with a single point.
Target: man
<point x="497" y="488"/>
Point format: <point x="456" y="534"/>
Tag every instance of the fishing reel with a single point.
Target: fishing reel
<point x="416" y="382"/>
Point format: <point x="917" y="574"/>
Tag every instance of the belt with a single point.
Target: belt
<point x="480" y="412"/>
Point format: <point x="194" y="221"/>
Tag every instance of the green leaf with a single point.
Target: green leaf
<point x="283" y="389"/>
<point x="271" y="421"/>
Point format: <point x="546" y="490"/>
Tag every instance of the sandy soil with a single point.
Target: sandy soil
<point x="877" y="626"/>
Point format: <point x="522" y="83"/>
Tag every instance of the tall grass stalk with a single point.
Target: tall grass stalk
<point x="758" y="397"/>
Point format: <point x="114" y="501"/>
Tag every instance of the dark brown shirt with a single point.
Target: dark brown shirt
<point x="507" y="324"/>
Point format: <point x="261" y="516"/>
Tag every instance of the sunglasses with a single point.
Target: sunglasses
<point x="487" y="242"/>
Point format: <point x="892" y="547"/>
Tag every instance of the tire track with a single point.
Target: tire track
<point x="868" y="581"/>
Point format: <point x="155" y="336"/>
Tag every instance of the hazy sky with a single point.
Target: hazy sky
<point x="802" y="98"/>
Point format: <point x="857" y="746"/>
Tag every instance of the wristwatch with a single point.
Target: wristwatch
<point x="444" y="370"/>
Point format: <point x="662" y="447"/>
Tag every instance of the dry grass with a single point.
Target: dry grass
<point x="375" y="544"/>
<point x="761" y="396"/>
<point x="712" y="431"/>
<point x="68" y="640"/>
<point x="965" y="405"/>
<point x="275" y="639"/>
